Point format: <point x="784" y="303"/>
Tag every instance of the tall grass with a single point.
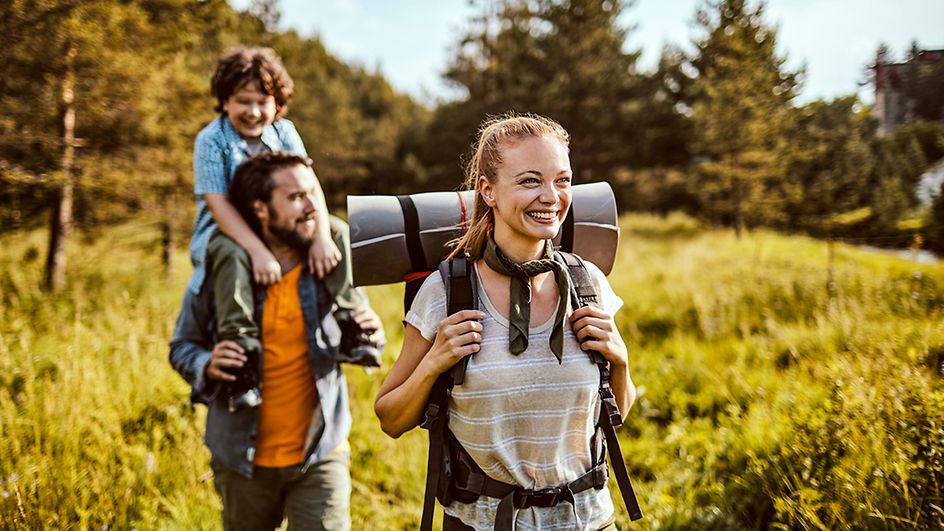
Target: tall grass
<point x="766" y="398"/>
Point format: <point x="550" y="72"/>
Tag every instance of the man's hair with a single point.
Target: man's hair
<point x="253" y="180"/>
<point x="239" y="67"/>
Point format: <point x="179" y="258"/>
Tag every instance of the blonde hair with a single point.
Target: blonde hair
<point x="495" y="134"/>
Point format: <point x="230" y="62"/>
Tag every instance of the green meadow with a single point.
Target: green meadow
<point x="769" y="397"/>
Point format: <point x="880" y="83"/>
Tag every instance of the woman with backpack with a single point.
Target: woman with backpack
<point x="522" y="443"/>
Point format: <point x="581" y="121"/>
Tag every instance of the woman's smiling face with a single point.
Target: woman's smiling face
<point x="531" y="194"/>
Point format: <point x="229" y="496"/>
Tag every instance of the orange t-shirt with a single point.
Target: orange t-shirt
<point x="289" y="395"/>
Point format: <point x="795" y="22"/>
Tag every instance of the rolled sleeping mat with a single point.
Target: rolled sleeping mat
<point x="395" y="237"/>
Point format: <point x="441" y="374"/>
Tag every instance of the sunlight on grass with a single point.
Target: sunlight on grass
<point x="766" y="398"/>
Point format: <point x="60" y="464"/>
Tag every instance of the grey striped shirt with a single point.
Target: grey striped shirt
<point x="525" y="419"/>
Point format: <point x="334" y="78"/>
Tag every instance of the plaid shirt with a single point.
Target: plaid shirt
<point x="217" y="153"/>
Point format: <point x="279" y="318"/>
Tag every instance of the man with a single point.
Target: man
<point x="288" y="456"/>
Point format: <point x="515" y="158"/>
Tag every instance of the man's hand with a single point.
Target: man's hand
<point x="226" y="355"/>
<point x="370" y="322"/>
<point x="323" y="255"/>
<point x="266" y="270"/>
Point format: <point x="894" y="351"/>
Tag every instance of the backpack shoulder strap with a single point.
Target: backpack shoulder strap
<point x="458" y="277"/>
<point x="584" y="293"/>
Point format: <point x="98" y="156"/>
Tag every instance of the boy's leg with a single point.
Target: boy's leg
<point x="340" y="281"/>
<point x="248" y="503"/>
<point x="321" y="498"/>
<point x="356" y="345"/>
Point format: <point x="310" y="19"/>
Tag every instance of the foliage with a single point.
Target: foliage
<point x="740" y="108"/>
<point x="565" y="60"/>
<point x="765" y="401"/>
<point x="138" y="124"/>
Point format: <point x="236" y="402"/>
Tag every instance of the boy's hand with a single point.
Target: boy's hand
<point x="323" y="256"/>
<point x="266" y="270"/>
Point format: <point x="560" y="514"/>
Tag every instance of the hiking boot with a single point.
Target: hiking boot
<point x="357" y="347"/>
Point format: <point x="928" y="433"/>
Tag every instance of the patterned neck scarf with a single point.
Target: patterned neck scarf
<point x="519" y="313"/>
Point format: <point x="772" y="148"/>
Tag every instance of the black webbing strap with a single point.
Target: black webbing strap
<point x="514" y="497"/>
<point x="459" y="276"/>
<point x="460" y="295"/>
<point x="435" y="422"/>
<point x="411" y="230"/>
<point x="584" y="293"/>
<point x="619" y="469"/>
<point x="567" y="232"/>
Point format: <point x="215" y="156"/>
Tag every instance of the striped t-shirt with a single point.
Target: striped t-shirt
<point x="526" y="419"/>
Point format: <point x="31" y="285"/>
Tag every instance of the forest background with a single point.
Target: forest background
<point x="101" y="100"/>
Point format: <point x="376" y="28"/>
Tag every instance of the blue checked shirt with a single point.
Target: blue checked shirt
<point x="217" y="152"/>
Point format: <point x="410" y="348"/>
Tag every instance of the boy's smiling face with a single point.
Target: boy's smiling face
<point x="250" y="111"/>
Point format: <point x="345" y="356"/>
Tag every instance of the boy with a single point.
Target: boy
<point x="253" y="91"/>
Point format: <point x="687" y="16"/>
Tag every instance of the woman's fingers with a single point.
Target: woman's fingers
<point x="591" y="331"/>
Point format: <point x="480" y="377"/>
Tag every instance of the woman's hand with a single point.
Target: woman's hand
<point x="596" y="330"/>
<point x="457" y="336"/>
<point x="266" y="270"/>
<point x="402" y="397"/>
<point x="323" y="255"/>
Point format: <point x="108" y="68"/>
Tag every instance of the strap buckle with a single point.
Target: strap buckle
<point x="609" y="404"/>
<point x="431" y="416"/>
<point x="539" y="498"/>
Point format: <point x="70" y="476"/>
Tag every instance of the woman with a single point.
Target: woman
<point x="527" y="409"/>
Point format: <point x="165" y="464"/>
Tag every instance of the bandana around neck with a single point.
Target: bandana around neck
<point x="519" y="313"/>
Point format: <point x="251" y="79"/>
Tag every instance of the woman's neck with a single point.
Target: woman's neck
<point x="520" y="251"/>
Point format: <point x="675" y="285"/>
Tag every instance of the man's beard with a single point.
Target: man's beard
<point x="288" y="236"/>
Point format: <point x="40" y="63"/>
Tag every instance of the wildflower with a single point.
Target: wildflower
<point x="14" y="477"/>
<point x="6" y="494"/>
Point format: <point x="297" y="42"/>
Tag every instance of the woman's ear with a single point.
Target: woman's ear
<point x="486" y="190"/>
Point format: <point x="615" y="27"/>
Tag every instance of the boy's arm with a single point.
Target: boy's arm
<point x="323" y="255"/>
<point x="265" y="268"/>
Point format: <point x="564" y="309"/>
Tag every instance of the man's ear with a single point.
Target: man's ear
<point x="261" y="211"/>
<point x="486" y="190"/>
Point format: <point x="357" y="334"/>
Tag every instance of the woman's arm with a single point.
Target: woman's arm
<point x="596" y="330"/>
<point x="403" y="394"/>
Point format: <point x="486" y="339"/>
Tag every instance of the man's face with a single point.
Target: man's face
<point x="289" y="216"/>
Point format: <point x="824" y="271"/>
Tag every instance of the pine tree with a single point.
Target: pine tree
<point x="561" y="59"/>
<point x="741" y="107"/>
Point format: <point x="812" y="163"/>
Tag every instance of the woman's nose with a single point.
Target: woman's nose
<point x="255" y="111"/>
<point x="548" y="193"/>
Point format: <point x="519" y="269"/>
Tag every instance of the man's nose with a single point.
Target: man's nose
<point x="255" y="111"/>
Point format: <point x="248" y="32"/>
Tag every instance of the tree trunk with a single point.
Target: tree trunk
<point x="167" y="256"/>
<point x="738" y="210"/>
<point x="60" y="223"/>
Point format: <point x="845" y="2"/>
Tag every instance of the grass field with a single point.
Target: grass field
<point x="767" y="399"/>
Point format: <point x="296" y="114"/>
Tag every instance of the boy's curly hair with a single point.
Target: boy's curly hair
<point x="238" y="67"/>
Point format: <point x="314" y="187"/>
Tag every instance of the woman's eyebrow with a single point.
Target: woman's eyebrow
<point x="535" y="172"/>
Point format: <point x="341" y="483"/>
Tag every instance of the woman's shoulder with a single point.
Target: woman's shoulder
<point x="432" y="290"/>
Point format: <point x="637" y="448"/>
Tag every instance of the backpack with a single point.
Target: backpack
<point x="451" y="474"/>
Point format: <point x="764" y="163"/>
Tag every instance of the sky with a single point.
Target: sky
<point x="411" y="41"/>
